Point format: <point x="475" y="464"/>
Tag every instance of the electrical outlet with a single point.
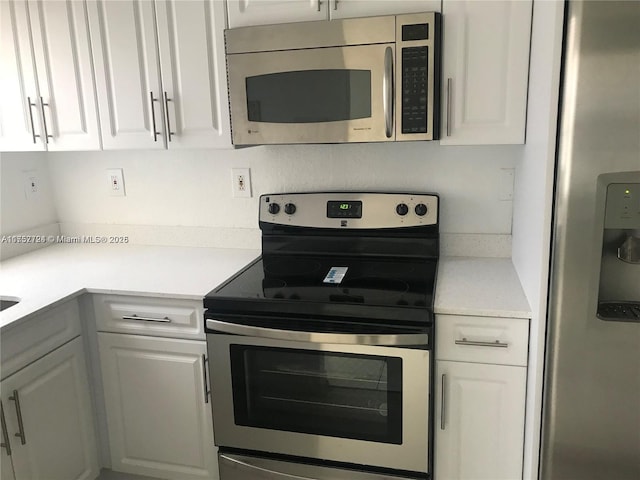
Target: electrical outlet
<point x="31" y="184"/>
<point x="241" y="182"/>
<point x="506" y="184"/>
<point x="115" y="178"/>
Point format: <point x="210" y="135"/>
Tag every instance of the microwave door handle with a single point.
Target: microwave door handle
<point x="387" y="91"/>
<point x="318" y="337"/>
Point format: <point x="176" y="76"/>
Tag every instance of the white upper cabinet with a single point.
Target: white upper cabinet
<point x="160" y="73"/>
<point x="47" y="85"/>
<point x="369" y="8"/>
<point x="19" y="118"/>
<point x="125" y="53"/>
<point x="243" y="13"/>
<point x="193" y="69"/>
<point x="485" y="71"/>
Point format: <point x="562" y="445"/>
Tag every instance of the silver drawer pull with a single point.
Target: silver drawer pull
<point x="16" y="398"/>
<point x="474" y="343"/>
<point x="146" y="319"/>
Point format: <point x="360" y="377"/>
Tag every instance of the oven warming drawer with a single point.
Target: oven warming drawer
<point x="242" y="467"/>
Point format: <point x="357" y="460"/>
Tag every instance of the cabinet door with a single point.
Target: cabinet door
<point x="191" y="38"/>
<point x="53" y="411"/>
<point x="125" y="53"/>
<point x="242" y="13"/>
<point x="159" y="424"/>
<point x="20" y="125"/>
<point x="479" y="421"/>
<point x="485" y="71"/>
<point x="65" y="75"/>
<point x="6" y="466"/>
<point x="368" y="8"/>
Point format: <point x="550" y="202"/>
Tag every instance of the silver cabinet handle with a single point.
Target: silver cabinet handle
<point x="166" y="114"/>
<point x="317" y="337"/>
<point x="319" y="4"/>
<point x="20" y="434"/>
<point x="146" y="319"/>
<point x="33" y="130"/>
<point x="387" y="91"/>
<point x="443" y="399"/>
<point x="206" y="382"/>
<point x="335" y="4"/>
<point x="153" y="117"/>
<point x="44" y="121"/>
<point x="449" y="88"/>
<point x="474" y="343"/>
<point x="5" y="434"/>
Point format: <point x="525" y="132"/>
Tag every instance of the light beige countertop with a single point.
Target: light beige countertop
<point x="465" y="285"/>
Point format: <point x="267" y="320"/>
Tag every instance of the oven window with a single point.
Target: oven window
<point x="309" y="96"/>
<point x="320" y="393"/>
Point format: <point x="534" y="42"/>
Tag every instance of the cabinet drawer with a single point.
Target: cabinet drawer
<point x="502" y="341"/>
<point x="38" y="335"/>
<point x="159" y="317"/>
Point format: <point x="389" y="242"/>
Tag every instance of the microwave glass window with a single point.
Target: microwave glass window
<point x="309" y="96"/>
<point x="320" y="393"/>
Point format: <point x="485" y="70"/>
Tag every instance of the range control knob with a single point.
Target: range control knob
<point x="421" y="209"/>
<point x="402" y="209"/>
<point x="274" y="208"/>
<point x="289" y="209"/>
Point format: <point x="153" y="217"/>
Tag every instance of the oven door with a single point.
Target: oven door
<point x="337" y="397"/>
<point x="320" y="95"/>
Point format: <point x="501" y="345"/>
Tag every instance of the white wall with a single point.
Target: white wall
<point x="193" y="188"/>
<point x="17" y="212"/>
<point x="533" y="204"/>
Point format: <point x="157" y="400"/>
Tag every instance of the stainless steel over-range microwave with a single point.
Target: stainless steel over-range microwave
<point x="373" y="79"/>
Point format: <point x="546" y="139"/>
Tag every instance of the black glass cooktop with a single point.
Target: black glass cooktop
<point x="301" y="285"/>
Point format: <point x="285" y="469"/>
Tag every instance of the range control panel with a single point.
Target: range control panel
<point x="350" y="210"/>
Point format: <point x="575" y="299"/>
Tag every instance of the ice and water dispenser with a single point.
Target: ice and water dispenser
<point x="619" y="289"/>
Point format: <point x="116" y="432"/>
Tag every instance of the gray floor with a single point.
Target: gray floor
<point x="106" y="474"/>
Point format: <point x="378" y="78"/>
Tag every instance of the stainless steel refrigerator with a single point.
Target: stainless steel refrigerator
<point x="591" y="413"/>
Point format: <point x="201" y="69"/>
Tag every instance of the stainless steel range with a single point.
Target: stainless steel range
<point x="320" y="351"/>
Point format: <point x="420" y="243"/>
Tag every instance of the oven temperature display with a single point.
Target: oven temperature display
<point x="344" y="209"/>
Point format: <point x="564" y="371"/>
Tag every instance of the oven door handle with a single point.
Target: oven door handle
<point x="318" y="337"/>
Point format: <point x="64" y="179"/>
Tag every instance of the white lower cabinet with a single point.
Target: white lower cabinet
<point x="158" y="415"/>
<point x="479" y="421"/>
<point x="48" y="419"/>
<point x="481" y="375"/>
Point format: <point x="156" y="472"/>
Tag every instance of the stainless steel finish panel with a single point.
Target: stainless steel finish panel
<point x="242" y="467"/>
<point x="361" y="57"/>
<point x="292" y="36"/>
<point x="410" y="19"/>
<point x="410" y="455"/>
<point x="317" y="337"/>
<point x="378" y="210"/>
<point x="591" y="415"/>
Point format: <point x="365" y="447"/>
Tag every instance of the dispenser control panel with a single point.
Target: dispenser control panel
<point x="623" y="206"/>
